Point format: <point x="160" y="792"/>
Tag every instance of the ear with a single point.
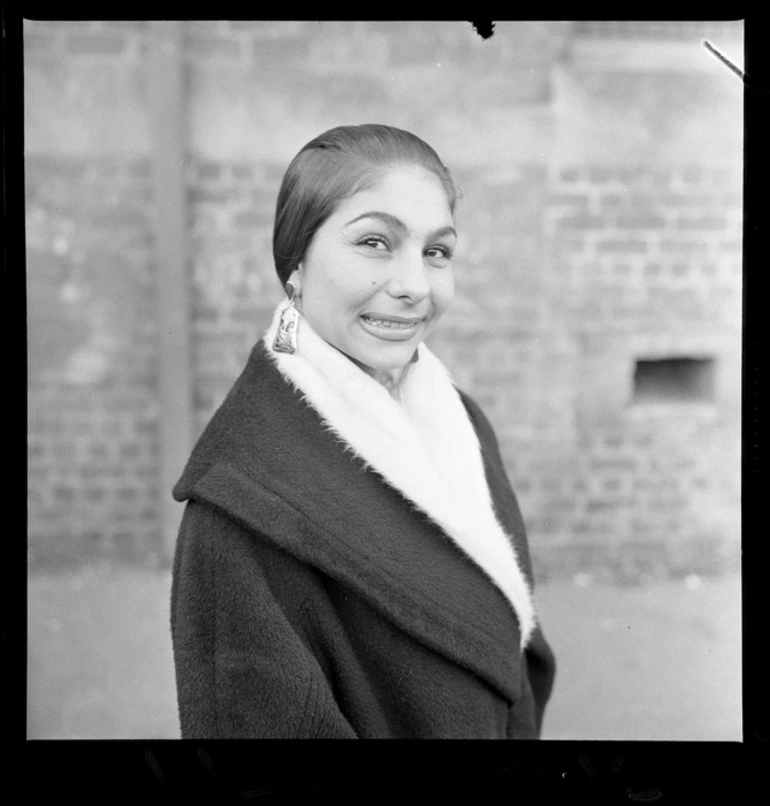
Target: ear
<point x="295" y="278"/>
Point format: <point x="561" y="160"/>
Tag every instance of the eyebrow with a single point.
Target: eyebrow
<point x="397" y="223"/>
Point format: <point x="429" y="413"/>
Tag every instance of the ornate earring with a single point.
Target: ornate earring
<point x="286" y="336"/>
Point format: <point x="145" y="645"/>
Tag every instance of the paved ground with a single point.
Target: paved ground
<point x="658" y="662"/>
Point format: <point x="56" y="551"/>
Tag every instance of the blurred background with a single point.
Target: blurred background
<point x="597" y="320"/>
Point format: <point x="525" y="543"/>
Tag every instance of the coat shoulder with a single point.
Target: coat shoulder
<point x="257" y="409"/>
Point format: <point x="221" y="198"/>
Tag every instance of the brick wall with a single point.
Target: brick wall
<point x="93" y="412"/>
<point x="596" y="230"/>
<point x="649" y="265"/>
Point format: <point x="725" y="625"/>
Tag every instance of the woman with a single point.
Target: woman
<point x="352" y="562"/>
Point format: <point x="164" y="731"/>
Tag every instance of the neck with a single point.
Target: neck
<point x="391" y="379"/>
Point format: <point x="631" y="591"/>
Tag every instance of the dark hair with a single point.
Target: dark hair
<point x="334" y="166"/>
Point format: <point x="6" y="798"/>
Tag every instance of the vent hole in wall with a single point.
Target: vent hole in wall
<point x="674" y="380"/>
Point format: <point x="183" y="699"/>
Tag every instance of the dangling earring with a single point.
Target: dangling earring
<point x="286" y="336"/>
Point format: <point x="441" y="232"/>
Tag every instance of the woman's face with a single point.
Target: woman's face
<point x="378" y="272"/>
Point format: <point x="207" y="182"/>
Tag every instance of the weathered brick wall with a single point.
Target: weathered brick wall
<point x="233" y="284"/>
<point x="90" y="284"/>
<point x="600" y="224"/>
<point x="647" y="265"/>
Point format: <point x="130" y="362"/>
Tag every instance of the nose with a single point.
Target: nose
<point x="410" y="280"/>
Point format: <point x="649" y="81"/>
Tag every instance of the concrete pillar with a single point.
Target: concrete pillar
<point x="167" y="91"/>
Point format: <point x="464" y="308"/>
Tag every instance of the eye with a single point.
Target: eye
<point x="374" y="242"/>
<point x="439" y="254"/>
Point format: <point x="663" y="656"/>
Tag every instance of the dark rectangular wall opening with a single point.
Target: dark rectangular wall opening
<point x="674" y="380"/>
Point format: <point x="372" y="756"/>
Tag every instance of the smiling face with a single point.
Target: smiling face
<point x="378" y="275"/>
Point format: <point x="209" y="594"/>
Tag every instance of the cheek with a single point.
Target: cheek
<point x="338" y="288"/>
<point x="444" y="291"/>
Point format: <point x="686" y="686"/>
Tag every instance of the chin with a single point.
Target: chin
<point x="397" y="359"/>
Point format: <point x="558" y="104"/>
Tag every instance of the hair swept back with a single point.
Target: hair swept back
<point x="332" y="167"/>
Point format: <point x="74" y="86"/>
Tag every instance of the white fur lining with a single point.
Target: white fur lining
<point x="425" y="446"/>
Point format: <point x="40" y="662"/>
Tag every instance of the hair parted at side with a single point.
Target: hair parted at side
<point x="332" y="167"/>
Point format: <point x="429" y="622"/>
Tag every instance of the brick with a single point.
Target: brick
<point x="142" y="426"/>
<point x="264" y="53"/>
<point x="661" y="177"/>
<point x="570" y="244"/>
<point x="649" y="555"/>
<point x="600" y="175"/>
<point x="687" y="200"/>
<point x="36" y="450"/>
<point x="42" y="44"/>
<point x="126" y="26"/>
<point x="581" y="222"/>
<point x="533" y="173"/>
<point x="560" y="506"/>
<point x="120" y="218"/>
<point x="201" y="195"/>
<point x="67" y="168"/>
<point x="584" y="555"/>
<point x="123" y="539"/>
<point x="408" y="50"/>
<point x="95" y="44"/>
<point x="543" y="525"/>
<point x="139" y="169"/>
<point x="630" y="175"/>
<point x="210" y="47"/>
<point x="731" y="200"/>
<point x="612" y="200"/>
<point x="669" y="503"/>
<point x="619" y="465"/>
<point x="64" y="494"/>
<point x="60" y="25"/>
<point x="640" y="222"/>
<point x="642" y="203"/>
<point x="621" y="246"/>
<point x="569" y="175"/>
<point x="569" y="199"/>
<point x="242" y="171"/>
<point x="247" y="219"/>
<point x="271" y="28"/>
<point x="692" y="174"/>
<point x="725" y="177"/>
<point x="702" y="223"/>
<point x="209" y="171"/>
<point x="680" y="246"/>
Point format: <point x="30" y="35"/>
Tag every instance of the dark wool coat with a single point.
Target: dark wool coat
<point x="311" y="600"/>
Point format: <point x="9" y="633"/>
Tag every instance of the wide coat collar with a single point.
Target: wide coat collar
<point x="268" y="462"/>
<point x="422" y="444"/>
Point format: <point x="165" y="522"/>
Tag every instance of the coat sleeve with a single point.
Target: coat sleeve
<point x="242" y="671"/>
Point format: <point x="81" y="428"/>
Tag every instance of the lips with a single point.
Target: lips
<point x="387" y="320"/>
<point x="389" y="326"/>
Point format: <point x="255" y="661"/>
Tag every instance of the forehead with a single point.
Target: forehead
<point x="411" y="193"/>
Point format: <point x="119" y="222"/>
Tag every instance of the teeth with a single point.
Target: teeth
<point x="390" y="324"/>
